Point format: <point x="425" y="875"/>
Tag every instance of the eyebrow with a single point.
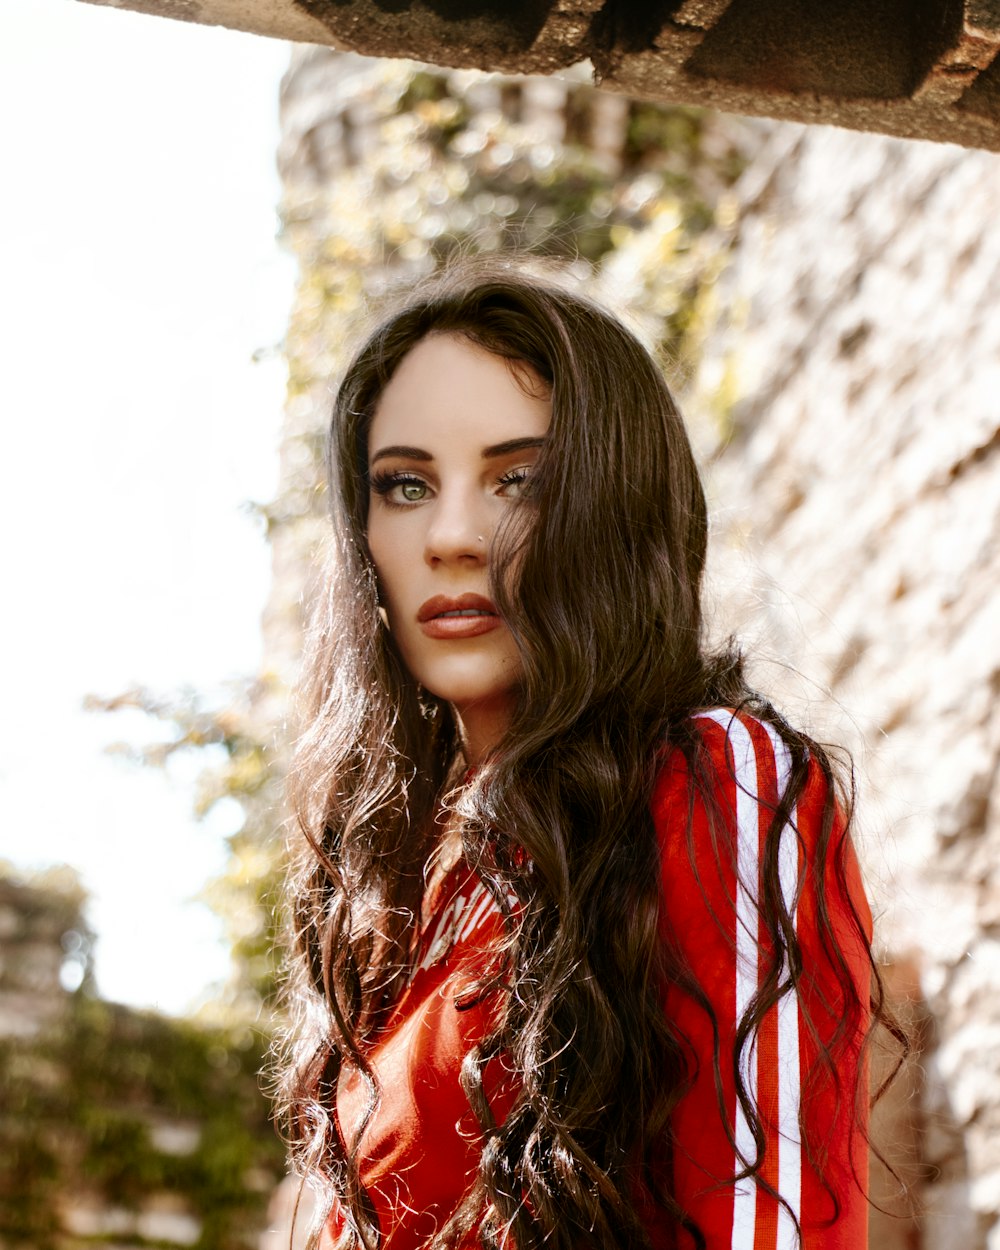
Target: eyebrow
<point x="495" y="450"/>
<point x="405" y="453"/>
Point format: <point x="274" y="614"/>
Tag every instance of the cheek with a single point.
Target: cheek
<point x="377" y="546"/>
<point x="389" y="563"/>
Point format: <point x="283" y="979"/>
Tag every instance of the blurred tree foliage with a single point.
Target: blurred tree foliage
<point x="400" y="168"/>
<point x="242" y="764"/>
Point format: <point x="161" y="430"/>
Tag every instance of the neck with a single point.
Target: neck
<point x="481" y="725"/>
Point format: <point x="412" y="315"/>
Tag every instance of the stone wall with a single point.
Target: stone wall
<point x="45" y="949"/>
<point x="856" y="490"/>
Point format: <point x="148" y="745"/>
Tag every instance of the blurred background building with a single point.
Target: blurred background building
<point x="118" y="1127"/>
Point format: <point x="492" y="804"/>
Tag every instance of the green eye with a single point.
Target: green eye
<point x="399" y="489"/>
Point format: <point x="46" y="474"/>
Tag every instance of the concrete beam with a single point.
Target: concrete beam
<point x="925" y="69"/>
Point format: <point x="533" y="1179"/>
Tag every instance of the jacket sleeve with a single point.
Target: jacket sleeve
<point x="810" y="1144"/>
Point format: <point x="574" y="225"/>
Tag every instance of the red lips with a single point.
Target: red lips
<point x="465" y="616"/>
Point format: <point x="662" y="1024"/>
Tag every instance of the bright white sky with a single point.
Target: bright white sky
<point x="139" y="274"/>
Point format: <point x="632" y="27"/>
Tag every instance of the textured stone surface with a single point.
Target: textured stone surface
<point x="925" y="68"/>
<point x="517" y="36"/>
<point x="858" y="542"/>
<point x="281" y="19"/>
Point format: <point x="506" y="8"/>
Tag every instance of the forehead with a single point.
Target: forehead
<point x="447" y="388"/>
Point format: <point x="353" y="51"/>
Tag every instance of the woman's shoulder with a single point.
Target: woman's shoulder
<point x="736" y="767"/>
<point x="733" y="801"/>
<point x="724" y="740"/>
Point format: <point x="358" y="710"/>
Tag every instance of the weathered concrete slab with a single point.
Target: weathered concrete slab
<point x="916" y="68"/>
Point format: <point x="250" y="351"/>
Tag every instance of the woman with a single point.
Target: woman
<point x="584" y="952"/>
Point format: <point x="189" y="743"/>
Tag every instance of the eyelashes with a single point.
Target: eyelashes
<point x="519" y="479"/>
<point x="401" y="489"/>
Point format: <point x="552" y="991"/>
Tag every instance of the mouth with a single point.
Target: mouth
<point x="465" y="616"/>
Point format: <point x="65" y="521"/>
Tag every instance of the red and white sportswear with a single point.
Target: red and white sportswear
<point x="421" y="1150"/>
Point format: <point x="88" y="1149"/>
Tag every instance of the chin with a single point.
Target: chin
<point x="466" y="679"/>
<point x="472" y="695"/>
<point x="472" y="691"/>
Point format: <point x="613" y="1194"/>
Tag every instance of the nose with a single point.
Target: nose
<point x="458" y="529"/>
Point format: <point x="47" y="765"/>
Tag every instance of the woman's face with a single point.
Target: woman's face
<point x="451" y="446"/>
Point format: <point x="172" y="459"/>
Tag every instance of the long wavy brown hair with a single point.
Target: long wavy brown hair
<point x="601" y="591"/>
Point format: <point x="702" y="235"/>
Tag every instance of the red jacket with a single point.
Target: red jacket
<point x="421" y="1149"/>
